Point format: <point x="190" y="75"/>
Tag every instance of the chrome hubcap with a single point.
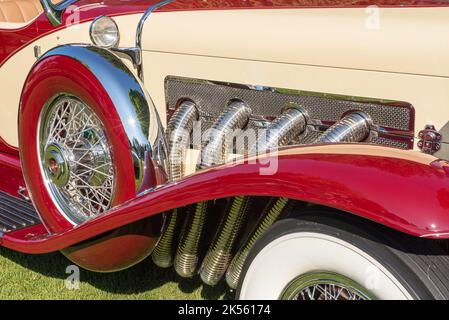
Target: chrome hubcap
<point x="56" y="165"/>
<point x="76" y="159"/>
<point x="325" y="286"/>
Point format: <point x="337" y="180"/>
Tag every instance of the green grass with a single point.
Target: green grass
<point x="25" y="276"/>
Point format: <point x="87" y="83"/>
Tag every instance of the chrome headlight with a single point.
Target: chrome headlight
<point x="104" y="32"/>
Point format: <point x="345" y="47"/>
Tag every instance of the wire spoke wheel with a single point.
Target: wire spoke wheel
<point x="75" y="158"/>
<point x="325" y="286"/>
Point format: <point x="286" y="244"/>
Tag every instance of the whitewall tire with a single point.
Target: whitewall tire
<point x="326" y="255"/>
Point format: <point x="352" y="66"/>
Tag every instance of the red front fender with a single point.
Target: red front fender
<point x="404" y="190"/>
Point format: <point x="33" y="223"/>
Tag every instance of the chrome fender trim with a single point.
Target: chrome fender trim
<point x="134" y="106"/>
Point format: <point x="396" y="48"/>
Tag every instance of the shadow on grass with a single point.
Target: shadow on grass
<point x="143" y="277"/>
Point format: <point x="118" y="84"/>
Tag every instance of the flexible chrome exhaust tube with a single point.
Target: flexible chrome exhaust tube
<point x="271" y="213"/>
<point x="354" y="127"/>
<point x="282" y="130"/>
<point x="187" y="255"/>
<point x="219" y="255"/>
<point x="290" y="124"/>
<point x="235" y="116"/>
<point x="179" y="129"/>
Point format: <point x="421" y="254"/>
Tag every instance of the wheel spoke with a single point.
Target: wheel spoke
<point x="76" y="134"/>
<point x="324" y="286"/>
<point x="87" y="152"/>
<point x="95" y="169"/>
<point x="85" y="185"/>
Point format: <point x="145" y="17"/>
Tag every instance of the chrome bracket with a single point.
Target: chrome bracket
<point x="134" y="53"/>
<point x="430" y="140"/>
<point x="22" y="193"/>
<point x="37" y="52"/>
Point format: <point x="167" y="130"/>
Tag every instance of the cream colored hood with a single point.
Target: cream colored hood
<point x="400" y="40"/>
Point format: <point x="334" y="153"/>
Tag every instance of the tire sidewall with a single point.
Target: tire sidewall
<point x="382" y="257"/>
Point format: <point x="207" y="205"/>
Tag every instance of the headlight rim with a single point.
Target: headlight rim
<point x="92" y="27"/>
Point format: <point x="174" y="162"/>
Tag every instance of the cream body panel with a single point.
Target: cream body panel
<point x="339" y="51"/>
<point x="211" y="53"/>
<point x="429" y="95"/>
<point x="405" y="40"/>
<point x="14" y="72"/>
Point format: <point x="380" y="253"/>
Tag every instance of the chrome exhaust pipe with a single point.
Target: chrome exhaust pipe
<point x="236" y="116"/>
<point x="354" y="127"/>
<point x="271" y="213"/>
<point x="186" y="258"/>
<point x="281" y="131"/>
<point x="290" y="124"/>
<point x="219" y="255"/>
<point x="179" y="129"/>
<point x="163" y="253"/>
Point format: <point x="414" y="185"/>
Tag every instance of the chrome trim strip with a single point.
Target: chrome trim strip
<point x="130" y="98"/>
<point x="435" y="235"/>
<point x="139" y="32"/>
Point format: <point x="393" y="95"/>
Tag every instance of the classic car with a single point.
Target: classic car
<point x="294" y="149"/>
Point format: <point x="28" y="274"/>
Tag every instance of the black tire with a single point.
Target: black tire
<point x="419" y="265"/>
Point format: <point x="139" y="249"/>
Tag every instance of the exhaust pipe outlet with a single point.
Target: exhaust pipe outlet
<point x="178" y="133"/>
<point x="281" y="131"/>
<point x="236" y="116"/>
<point x="354" y="127"/>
